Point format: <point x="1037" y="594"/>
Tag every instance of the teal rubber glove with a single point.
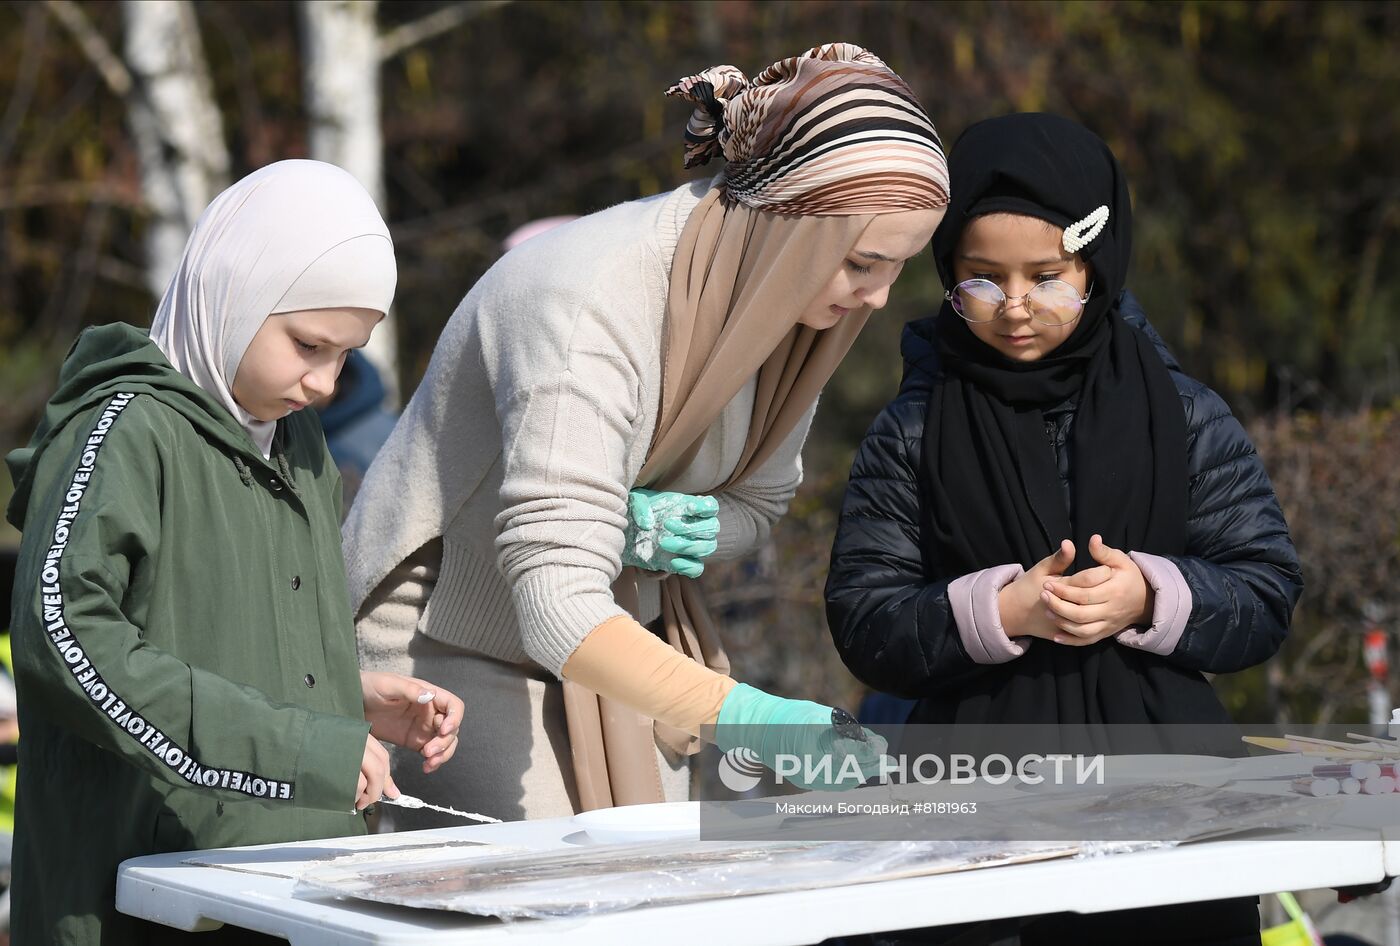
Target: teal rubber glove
<point x="794" y="737"/>
<point x="670" y="532"/>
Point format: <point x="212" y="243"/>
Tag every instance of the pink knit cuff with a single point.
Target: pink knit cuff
<point x="1170" y="612"/>
<point x="978" y="616"/>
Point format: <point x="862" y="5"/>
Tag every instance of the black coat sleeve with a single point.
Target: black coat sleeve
<point x="1241" y="566"/>
<point x="892" y="625"/>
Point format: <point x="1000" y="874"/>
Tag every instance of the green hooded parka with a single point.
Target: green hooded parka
<point x="184" y="651"/>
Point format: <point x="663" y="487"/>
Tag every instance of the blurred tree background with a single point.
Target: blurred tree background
<point x="1260" y="139"/>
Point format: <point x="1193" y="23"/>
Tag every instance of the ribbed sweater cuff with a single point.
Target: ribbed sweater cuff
<point x="736" y="533"/>
<point x="557" y="611"/>
<point x="978" y="616"/>
<point x="1171" y="607"/>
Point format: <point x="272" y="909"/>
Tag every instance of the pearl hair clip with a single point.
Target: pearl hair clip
<point x="1081" y="234"/>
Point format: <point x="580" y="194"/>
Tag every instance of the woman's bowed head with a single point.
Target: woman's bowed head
<point x="831" y="133"/>
<point x="871" y="267"/>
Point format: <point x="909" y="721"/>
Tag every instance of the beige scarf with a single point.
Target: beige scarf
<point x="739" y="282"/>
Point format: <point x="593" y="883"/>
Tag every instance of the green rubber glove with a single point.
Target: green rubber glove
<point x="785" y="734"/>
<point x="670" y="532"/>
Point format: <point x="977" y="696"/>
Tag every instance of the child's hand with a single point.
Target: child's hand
<point x="1022" y="614"/>
<point x="411" y="713"/>
<point x="374" y="775"/>
<point x="1098" y="602"/>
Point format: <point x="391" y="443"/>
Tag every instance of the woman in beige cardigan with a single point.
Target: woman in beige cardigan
<point x="674" y="343"/>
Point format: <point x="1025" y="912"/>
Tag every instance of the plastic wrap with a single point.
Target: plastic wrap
<point x="596" y="879"/>
<point x="605" y="879"/>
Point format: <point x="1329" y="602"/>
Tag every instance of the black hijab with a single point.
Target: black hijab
<point x="992" y="493"/>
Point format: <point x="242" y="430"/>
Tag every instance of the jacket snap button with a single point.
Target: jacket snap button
<point x="310" y="680"/>
<point x="277" y="486"/>
<point x="296" y="582"/>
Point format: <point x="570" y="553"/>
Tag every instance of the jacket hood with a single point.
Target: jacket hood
<point x="919" y="346"/>
<point x="104" y="361"/>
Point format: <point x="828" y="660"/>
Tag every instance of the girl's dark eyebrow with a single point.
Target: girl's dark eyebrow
<point x="876" y="256"/>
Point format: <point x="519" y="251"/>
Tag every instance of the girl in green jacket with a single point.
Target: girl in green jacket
<point x="184" y="652"/>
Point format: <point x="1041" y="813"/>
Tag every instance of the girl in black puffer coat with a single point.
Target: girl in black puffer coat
<point x="1051" y="523"/>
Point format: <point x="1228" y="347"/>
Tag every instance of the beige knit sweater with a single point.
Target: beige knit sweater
<point x="528" y="430"/>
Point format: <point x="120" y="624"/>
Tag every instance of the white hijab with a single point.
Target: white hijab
<point x="294" y="235"/>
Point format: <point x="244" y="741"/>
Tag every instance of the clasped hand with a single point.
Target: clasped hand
<point x="1078" y="609"/>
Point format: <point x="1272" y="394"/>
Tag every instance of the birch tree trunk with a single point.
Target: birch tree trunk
<point x="176" y="124"/>
<point x="341" y="56"/>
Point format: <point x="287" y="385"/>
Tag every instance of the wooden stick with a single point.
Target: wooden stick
<point x="1334" y="743"/>
<point x="1315" y="748"/>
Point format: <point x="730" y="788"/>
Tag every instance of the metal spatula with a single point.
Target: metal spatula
<point x="846" y="725"/>
<point x="408" y="801"/>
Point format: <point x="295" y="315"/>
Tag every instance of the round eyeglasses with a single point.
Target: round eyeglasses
<point x="1053" y="302"/>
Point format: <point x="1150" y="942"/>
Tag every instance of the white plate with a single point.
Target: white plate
<point x="632" y="823"/>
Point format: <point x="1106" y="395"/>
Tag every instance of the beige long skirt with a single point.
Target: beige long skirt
<point x="512" y="760"/>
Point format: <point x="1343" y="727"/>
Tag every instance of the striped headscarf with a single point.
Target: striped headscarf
<point x="832" y="131"/>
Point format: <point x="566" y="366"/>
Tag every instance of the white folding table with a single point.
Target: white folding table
<point x="253" y="888"/>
